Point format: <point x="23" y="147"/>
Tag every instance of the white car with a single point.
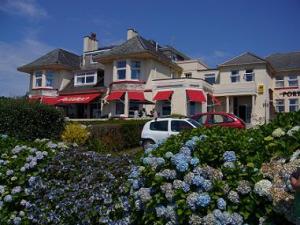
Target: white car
<point x="157" y="130"/>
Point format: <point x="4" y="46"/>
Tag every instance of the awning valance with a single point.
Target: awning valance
<point x="115" y="95"/>
<point x="163" y="95"/>
<point x="196" y="96"/>
<point x="78" y="99"/>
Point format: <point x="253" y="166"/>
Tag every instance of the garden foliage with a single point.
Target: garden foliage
<point x="219" y="176"/>
<point x="75" y="133"/>
<point x="29" y="120"/>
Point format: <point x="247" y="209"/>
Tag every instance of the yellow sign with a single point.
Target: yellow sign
<point x="260" y="89"/>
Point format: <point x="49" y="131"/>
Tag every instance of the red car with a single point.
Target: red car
<point x="219" y="119"/>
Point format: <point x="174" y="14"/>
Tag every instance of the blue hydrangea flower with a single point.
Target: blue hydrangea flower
<point x="135" y="184"/>
<point x="195" y="138"/>
<point x="194" y="161"/>
<point x="202" y="137"/>
<point x="221" y="203"/>
<point x="236" y="219"/>
<point x="203" y="200"/>
<point x="134" y="172"/>
<point x="168" y="155"/>
<point x="198" y="181"/>
<point x="182" y="166"/>
<point x="186" y="151"/>
<point x="190" y="144"/>
<point x="229" y="156"/>
<point x="207" y="185"/>
<point x="160" y="211"/>
<point x="186" y="187"/>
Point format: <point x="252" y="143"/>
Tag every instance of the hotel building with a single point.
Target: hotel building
<point x="115" y="81"/>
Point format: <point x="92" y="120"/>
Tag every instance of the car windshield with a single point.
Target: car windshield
<point x="194" y="122"/>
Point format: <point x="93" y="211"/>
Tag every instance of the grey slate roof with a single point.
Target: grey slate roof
<point x="245" y="58"/>
<point x="134" y="45"/>
<point x="285" y="61"/>
<point x="56" y="57"/>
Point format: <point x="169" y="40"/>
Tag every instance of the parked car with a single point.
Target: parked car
<point x="219" y="119"/>
<point x="160" y="129"/>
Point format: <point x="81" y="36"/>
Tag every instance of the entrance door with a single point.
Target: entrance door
<point x="243" y="112"/>
<point x="80" y="110"/>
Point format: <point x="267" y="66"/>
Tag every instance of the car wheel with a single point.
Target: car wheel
<point x="147" y="143"/>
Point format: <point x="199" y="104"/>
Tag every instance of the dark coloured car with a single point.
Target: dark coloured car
<point x="219" y="119"/>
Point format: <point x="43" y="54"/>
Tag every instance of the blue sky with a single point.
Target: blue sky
<point x="212" y="30"/>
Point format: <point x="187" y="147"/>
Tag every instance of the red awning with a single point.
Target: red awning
<point x="136" y="95"/>
<point x="76" y="99"/>
<point x="50" y="100"/>
<point x="115" y="95"/>
<point x="163" y="95"/>
<point x="215" y="100"/>
<point x="196" y="96"/>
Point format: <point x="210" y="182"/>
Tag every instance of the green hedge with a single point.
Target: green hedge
<point x="117" y="136"/>
<point x="29" y="120"/>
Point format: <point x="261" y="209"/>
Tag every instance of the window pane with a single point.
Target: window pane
<point x="202" y="119"/>
<point x="293" y="105"/>
<point x="194" y="122"/>
<point x="218" y="119"/>
<point x="166" y="108"/>
<point x="119" y="108"/>
<point x="135" y="74"/>
<point x="249" y="77"/>
<point x="135" y="64"/>
<point x="38" y="74"/>
<point x="80" y="80"/>
<point x="159" y="125"/>
<point x="188" y="75"/>
<point x="49" y="79"/>
<point x="279" y="83"/>
<point x="90" y="79"/>
<point x="121" y="64"/>
<point x="38" y="82"/>
<point x="178" y="125"/>
<point x="235" y="79"/>
<point x="210" y="80"/>
<point x="121" y="74"/>
<point x="234" y="72"/>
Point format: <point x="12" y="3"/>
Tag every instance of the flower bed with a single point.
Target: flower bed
<point x="217" y="176"/>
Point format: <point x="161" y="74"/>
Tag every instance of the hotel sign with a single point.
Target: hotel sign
<point x="290" y="93"/>
<point x="260" y="89"/>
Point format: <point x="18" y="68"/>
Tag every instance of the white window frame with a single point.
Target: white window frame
<point x="237" y="76"/>
<point x="279" y="103"/>
<point x="293" y="79"/>
<point x="210" y="75"/>
<point x="38" y="78"/>
<point x="132" y="68"/>
<point x="49" y="72"/>
<point x="294" y="105"/>
<point x="121" y="68"/>
<point x="188" y="75"/>
<point x="85" y="75"/>
<point x="279" y="80"/>
<point x="91" y="59"/>
<point x="249" y="74"/>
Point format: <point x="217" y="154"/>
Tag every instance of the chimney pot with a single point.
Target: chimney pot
<point x="131" y="33"/>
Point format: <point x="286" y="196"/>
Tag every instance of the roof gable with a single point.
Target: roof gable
<point x="245" y="58"/>
<point x="285" y="61"/>
<point x="55" y="57"/>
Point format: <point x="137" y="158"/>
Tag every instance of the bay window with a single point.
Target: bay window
<point x="293" y="105"/>
<point x="293" y="81"/>
<point x="38" y="79"/>
<point x="88" y="78"/>
<point x="279" y="105"/>
<point x="121" y="70"/>
<point x="235" y="76"/>
<point x="49" y="78"/>
<point x="135" y="70"/>
<point x="279" y="82"/>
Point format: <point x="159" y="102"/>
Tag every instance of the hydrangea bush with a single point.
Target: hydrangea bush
<point x="209" y="176"/>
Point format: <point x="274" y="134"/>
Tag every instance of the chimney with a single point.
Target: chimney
<point x="90" y="43"/>
<point x="131" y="33"/>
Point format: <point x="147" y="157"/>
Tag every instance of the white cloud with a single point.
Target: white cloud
<point x="13" y="55"/>
<point x="27" y="8"/>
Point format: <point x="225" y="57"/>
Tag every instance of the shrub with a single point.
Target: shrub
<point x="75" y="133"/>
<point x="117" y="137"/>
<point x="28" y="120"/>
<point x="218" y="175"/>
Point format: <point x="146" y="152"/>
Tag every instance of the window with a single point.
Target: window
<point x="293" y="81"/>
<point x="188" y="75"/>
<point x="279" y="82"/>
<point x="179" y="125"/>
<point x="202" y="119"/>
<point x="210" y="78"/>
<point x="279" y="105"/>
<point x="249" y="75"/>
<point x="91" y="59"/>
<point x="135" y="70"/>
<point x="49" y="79"/>
<point x="159" y="125"/>
<point x="194" y="122"/>
<point x="166" y="108"/>
<point x="294" y="106"/>
<point x="235" y="76"/>
<point x="38" y="79"/>
<point x="86" y="78"/>
<point x="119" y="108"/>
<point x="133" y="106"/>
<point x="121" y="70"/>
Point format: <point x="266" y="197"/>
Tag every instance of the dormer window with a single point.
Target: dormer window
<point x="88" y="78"/>
<point x="135" y="70"/>
<point x="38" y="78"/>
<point x="235" y="76"/>
<point x="121" y="70"/>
